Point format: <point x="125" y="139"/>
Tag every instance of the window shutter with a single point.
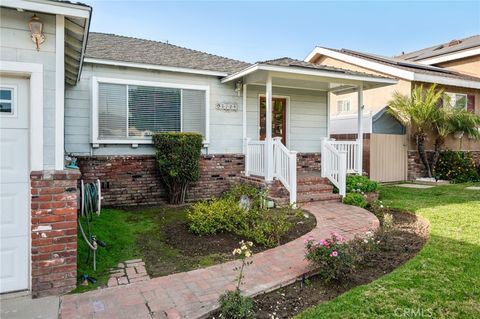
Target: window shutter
<point x="153" y="109"/>
<point x="193" y="116"/>
<point x="471" y="103"/>
<point x="112" y="111"/>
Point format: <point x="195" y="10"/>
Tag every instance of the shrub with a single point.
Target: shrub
<point x="355" y="199"/>
<point x="215" y="216"/>
<point x="255" y="195"/>
<point x="332" y="257"/>
<point x="358" y="183"/>
<point x="235" y="306"/>
<point x="458" y="167"/>
<point x="178" y="157"/>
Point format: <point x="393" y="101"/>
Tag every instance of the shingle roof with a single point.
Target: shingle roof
<point x="127" y="49"/>
<point x="409" y="65"/>
<point x="441" y="49"/>
<point x="298" y="63"/>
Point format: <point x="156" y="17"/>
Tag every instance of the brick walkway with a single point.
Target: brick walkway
<point x="194" y="294"/>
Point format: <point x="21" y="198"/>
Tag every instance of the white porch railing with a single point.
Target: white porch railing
<point x="351" y="147"/>
<point x="334" y="166"/>
<point x="255" y="158"/>
<point x="285" y="167"/>
<point x="284" y="163"/>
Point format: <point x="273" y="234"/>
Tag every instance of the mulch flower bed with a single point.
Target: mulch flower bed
<point x="404" y="241"/>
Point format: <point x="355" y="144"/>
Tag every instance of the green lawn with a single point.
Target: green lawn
<point x="442" y="281"/>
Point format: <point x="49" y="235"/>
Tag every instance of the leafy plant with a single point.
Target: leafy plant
<point x="458" y="167"/>
<point x="332" y="257"/>
<point x="355" y="199"/>
<point x="178" y="157"/>
<point x="359" y="183"/>
<point x="232" y="303"/>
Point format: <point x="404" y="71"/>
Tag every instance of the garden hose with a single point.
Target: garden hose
<point x="90" y="205"/>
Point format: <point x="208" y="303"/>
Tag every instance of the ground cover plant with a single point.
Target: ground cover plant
<point x="441" y="281"/>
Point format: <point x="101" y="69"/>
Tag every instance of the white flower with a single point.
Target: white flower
<point x="248" y="254"/>
<point x="365" y="241"/>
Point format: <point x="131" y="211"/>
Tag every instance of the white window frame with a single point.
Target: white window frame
<point x="95" y="130"/>
<point x="453" y="99"/>
<point x="349" y="105"/>
<point x="12" y="101"/>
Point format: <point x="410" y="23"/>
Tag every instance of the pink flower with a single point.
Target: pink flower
<point x="334" y="254"/>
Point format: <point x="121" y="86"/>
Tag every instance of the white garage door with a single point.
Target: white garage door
<point x="14" y="185"/>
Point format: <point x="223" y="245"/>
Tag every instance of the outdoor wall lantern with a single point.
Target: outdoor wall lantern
<point x="36" y="28"/>
<point x="238" y="87"/>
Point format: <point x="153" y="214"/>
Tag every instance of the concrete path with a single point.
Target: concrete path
<point x="194" y="294"/>
<point x="18" y="306"/>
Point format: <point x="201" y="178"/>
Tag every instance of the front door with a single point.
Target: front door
<point x="279" y="123"/>
<point x="14" y="185"/>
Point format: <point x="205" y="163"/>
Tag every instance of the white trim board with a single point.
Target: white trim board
<point x="449" y="57"/>
<point x="62" y="8"/>
<point x="35" y="72"/>
<point x="59" y="91"/>
<point x="95" y="129"/>
<point x="154" y="67"/>
<point x="393" y="71"/>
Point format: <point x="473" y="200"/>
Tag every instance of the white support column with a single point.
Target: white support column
<point x="244" y="118"/>
<point x="360" y="130"/>
<point x="59" y="91"/>
<point x="268" y="129"/>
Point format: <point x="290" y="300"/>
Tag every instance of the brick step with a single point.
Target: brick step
<point x="330" y="197"/>
<point x="314" y="188"/>
<point x="309" y="180"/>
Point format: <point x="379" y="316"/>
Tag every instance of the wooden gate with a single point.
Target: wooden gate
<point x="388" y="157"/>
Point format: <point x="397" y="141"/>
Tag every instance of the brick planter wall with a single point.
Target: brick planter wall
<point x="54" y="231"/>
<point x="416" y="169"/>
<point x="134" y="180"/>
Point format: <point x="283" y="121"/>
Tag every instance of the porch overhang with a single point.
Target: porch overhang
<point x="312" y="78"/>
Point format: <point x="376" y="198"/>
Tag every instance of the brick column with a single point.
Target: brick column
<point x="54" y="231"/>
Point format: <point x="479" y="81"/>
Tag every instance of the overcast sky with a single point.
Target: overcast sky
<point x="254" y="31"/>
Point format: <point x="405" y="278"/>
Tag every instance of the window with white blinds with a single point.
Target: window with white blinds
<point x="129" y="112"/>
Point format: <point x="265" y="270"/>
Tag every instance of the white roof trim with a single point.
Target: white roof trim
<point x="450" y="57"/>
<point x="154" y="67"/>
<point x="403" y="74"/>
<point x="446" y="81"/>
<point x="62" y="8"/>
<point x="379" y="67"/>
<point x="306" y="71"/>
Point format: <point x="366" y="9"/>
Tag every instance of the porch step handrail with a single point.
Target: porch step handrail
<point x="334" y="166"/>
<point x="254" y="157"/>
<point x="285" y="167"/>
<point x="351" y="147"/>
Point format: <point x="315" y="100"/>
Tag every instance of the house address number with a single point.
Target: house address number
<point x="227" y="107"/>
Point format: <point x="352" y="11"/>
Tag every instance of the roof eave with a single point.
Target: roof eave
<point x="155" y="67"/>
<point x="450" y="56"/>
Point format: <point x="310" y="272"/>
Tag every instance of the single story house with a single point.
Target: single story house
<point x="453" y="66"/>
<point x="99" y="97"/>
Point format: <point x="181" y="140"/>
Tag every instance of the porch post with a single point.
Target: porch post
<point x="244" y="118"/>
<point x="360" y="130"/>
<point x="268" y="131"/>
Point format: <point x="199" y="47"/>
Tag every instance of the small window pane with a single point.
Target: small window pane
<point x="194" y="109"/>
<point x="153" y="109"/>
<point x="5" y="107"/>
<point x="5" y="94"/>
<point x="112" y="111"/>
<point x="461" y="101"/>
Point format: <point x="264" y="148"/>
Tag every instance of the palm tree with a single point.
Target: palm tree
<point x="465" y="123"/>
<point x="419" y="111"/>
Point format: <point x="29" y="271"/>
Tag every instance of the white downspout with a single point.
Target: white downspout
<point x="244" y="118"/>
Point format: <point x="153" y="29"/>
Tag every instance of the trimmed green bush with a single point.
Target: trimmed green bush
<point x="235" y="306"/>
<point x="355" y="199"/>
<point x="178" y="158"/>
<point x="458" y="167"/>
<point x="358" y="183"/>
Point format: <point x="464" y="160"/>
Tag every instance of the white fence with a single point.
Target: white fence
<point x="255" y="158"/>
<point x="334" y="166"/>
<point x="285" y="167"/>
<point x="351" y="148"/>
<point x="284" y="163"/>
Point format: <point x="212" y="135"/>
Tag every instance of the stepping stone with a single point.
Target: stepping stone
<point x="473" y="188"/>
<point x="414" y="186"/>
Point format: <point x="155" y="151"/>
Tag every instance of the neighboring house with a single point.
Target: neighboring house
<point x="455" y="68"/>
<point x="102" y="102"/>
